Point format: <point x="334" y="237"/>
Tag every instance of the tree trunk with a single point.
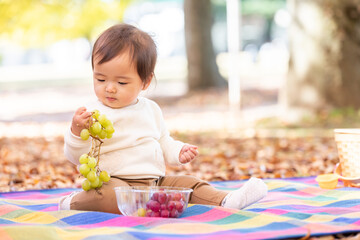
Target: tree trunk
<point x="324" y="44"/>
<point x="202" y="69"/>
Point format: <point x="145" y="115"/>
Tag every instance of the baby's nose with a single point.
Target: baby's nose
<point x="110" y="88"/>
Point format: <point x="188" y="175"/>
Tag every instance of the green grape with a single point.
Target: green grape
<point x="102" y="119"/>
<point x="109" y="135"/>
<point x="84" y="169"/>
<point x="104" y="176"/>
<point x="83" y="158"/>
<point x="84" y="134"/>
<point x="102" y="134"/>
<point x="95" y="183"/>
<point x="91" y="176"/>
<point x="92" y="162"/>
<point x="110" y="129"/>
<point x="100" y="183"/>
<point x="107" y="123"/>
<point x="96" y="114"/>
<point x="92" y="132"/>
<point x="96" y="128"/>
<point x="86" y="185"/>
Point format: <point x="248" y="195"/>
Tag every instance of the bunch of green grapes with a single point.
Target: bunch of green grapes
<point x="90" y="170"/>
<point x="99" y="128"/>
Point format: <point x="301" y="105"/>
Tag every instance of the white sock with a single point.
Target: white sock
<point x="64" y="203"/>
<point x="252" y="191"/>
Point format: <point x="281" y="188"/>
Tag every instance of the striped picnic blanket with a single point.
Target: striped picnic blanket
<point x="294" y="208"/>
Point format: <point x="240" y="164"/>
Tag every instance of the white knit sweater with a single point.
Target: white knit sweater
<point x="139" y="147"/>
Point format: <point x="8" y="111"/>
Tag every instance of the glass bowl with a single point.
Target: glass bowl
<point x="152" y="201"/>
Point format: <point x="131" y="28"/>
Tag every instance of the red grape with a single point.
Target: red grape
<point x="154" y="205"/>
<point x="171" y="205"/>
<point x="174" y="213"/>
<point x="155" y="214"/>
<point x="165" y="213"/>
<point x="177" y="196"/>
<point x="162" y="197"/>
<point x="179" y="206"/>
<point x="155" y="196"/>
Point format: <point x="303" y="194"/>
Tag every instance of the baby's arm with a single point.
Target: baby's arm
<point x="176" y="152"/>
<point x="74" y="146"/>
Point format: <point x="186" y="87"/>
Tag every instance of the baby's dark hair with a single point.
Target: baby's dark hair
<point x="124" y="37"/>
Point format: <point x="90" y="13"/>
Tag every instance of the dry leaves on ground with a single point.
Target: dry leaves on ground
<point x="39" y="163"/>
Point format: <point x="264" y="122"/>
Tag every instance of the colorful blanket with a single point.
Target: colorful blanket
<point x="294" y="208"/>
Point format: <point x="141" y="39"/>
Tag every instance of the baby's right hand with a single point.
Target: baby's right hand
<point x="80" y="121"/>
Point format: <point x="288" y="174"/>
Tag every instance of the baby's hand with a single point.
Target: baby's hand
<point x="80" y="121"/>
<point x="188" y="153"/>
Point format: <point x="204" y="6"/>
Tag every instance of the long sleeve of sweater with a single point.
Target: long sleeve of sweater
<point x="171" y="148"/>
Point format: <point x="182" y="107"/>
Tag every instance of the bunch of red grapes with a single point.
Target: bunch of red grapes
<point x="164" y="205"/>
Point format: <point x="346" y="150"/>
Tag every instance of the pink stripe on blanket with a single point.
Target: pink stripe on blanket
<point x="212" y="215"/>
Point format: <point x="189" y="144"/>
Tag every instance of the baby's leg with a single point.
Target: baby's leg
<point x="203" y="192"/>
<point x="252" y="191"/>
<point x="102" y="199"/>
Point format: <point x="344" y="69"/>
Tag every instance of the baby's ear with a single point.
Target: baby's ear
<point x="148" y="81"/>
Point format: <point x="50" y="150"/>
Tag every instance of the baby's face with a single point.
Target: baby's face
<point x="116" y="82"/>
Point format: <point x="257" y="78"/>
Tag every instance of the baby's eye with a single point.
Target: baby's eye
<point x="101" y="80"/>
<point x="122" y="83"/>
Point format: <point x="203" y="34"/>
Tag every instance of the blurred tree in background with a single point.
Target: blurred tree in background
<point x="324" y="55"/>
<point x="202" y="69"/>
<point x="41" y="22"/>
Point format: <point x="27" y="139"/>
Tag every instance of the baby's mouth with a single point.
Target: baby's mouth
<point x="111" y="99"/>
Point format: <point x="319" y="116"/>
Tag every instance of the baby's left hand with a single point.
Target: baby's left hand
<point x="188" y="153"/>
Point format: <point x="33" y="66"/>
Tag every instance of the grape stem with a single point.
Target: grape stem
<point x="94" y="137"/>
<point x="98" y="155"/>
<point x="95" y="148"/>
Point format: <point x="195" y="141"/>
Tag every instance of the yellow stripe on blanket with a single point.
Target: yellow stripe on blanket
<point x="31" y="202"/>
<point x="36" y="217"/>
<point x="188" y="228"/>
<point x="340" y="195"/>
<point x="80" y="233"/>
<point x="276" y="184"/>
<point x="259" y="220"/>
<point x="320" y="218"/>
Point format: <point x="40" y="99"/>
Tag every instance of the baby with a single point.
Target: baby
<point x="123" y="62"/>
